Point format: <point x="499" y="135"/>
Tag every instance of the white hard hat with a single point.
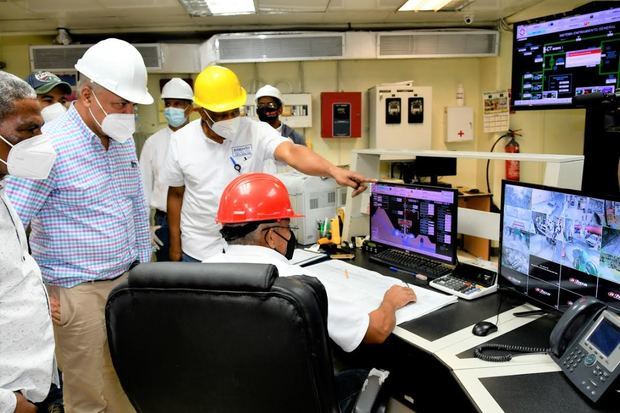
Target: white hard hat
<point x="269" y="90"/>
<point x="177" y="88"/>
<point x="117" y="66"/>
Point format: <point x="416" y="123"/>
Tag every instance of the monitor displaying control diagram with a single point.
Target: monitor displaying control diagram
<point x="558" y="245"/>
<point x="416" y="218"/>
<point x="557" y="58"/>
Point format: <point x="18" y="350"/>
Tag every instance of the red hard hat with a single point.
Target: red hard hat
<point x="254" y="197"/>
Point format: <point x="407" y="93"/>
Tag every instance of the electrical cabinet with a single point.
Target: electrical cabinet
<point x="341" y="114"/>
<point x="400" y="116"/>
<point x="296" y="109"/>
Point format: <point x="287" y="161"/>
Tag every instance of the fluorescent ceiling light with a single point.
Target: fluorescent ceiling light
<point x="223" y="7"/>
<point x="417" y="5"/>
<point x="218" y="7"/>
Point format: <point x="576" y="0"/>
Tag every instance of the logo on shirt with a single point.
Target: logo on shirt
<point x="242" y="151"/>
<point x="134" y="164"/>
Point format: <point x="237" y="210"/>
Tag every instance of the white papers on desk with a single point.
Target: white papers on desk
<point x="303" y="257"/>
<point x="366" y="288"/>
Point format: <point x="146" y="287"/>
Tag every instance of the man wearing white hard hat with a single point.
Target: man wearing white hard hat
<point x="177" y="96"/>
<point x="89" y="218"/>
<point x="269" y="108"/>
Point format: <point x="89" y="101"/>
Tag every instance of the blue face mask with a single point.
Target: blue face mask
<point x="175" y="116"/>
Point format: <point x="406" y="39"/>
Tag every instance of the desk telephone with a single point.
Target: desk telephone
<point x="585" y="343"/>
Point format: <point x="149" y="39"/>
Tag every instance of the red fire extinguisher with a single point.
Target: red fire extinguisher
<point x="513" y="168"/>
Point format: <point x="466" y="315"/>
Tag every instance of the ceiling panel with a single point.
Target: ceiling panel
<point x="134" y="4"/>
<point x="391" y="5"/>
<point x="56" y="6"/>
<point x="293" y="6"/>
<point x="118" y="16"/>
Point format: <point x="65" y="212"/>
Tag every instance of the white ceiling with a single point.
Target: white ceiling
<point x="168" y="16"/>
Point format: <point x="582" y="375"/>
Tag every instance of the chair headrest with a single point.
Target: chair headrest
<point x="249" y="277"/>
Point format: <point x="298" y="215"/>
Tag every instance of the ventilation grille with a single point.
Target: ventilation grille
<point x="314" y="203"/>
<point x="63" y="58"/>
<point x="151" y="55"/>
<point x="438" y="44"/>
<point x="279" y="47"/>
<point x="331" y="198"/>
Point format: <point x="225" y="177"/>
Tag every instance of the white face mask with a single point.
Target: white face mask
<point x="118" y="126"/>
<point x="227" y="128"/>
<point x="31" y="158"/>
<point x="53" y="111"/>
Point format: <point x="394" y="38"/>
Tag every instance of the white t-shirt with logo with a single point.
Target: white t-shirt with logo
<point x="205" y="167"/>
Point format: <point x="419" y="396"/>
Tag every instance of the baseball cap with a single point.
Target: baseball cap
<point x="43" y="82"/>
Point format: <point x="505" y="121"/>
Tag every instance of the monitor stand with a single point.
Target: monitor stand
<point x="435" y="182"/>
<point x="530" y="313"/>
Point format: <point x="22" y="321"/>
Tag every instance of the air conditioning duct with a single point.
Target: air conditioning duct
<point x="437" y="43"/>
<point x="295" y="46"/>
<point x="272" y="47"/>
<point x="158" y="57"/>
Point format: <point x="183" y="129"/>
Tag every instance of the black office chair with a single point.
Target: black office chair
<point x="190" y="337"/>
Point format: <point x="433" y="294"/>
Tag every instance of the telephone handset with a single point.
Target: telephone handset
<point x="583" y="311"/>
<point x="585" y="343"/>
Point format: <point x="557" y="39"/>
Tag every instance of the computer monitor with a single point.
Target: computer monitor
<point x="434" y="167"/>
<point x="417" y="218"/>
<point x="556" y="58"/>
<point x="558" y="245"/>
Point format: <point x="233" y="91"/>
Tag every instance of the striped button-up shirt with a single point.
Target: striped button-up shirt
<point x="89" y="218"/>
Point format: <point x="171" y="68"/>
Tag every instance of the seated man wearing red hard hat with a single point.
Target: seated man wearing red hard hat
<point x="255" y="213"/>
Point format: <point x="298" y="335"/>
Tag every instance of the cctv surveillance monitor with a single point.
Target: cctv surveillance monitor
<point x="558" y="245"/>
<point x="556" y="58"/>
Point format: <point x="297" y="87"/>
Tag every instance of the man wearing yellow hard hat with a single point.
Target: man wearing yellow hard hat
<point x="209" y="152"/>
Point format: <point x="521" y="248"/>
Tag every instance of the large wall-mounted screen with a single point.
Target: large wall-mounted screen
<point x="557" y="58"/>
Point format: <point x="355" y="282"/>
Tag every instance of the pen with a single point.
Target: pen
<point x="420" y="277"/>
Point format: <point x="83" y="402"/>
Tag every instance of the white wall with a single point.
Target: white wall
<point x="558" y="131"/>
<point x="359" y="75"/>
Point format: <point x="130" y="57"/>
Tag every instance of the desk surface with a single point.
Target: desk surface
<point x="528" y="383"/>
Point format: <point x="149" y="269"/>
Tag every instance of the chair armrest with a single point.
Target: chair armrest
<point x="370" y="390"/>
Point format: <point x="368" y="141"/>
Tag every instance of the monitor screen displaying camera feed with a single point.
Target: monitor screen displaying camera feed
<point x="558" y="245"/>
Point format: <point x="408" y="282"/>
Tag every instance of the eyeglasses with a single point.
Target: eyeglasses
<point x="270" y="105"/>
<point x="290" y="227"/>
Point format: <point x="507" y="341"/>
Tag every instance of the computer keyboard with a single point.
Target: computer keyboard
<point x="410" y="262"/>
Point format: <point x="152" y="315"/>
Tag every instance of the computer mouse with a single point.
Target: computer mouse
<point x="473" y="191"/>
<point x="483" y="328"/>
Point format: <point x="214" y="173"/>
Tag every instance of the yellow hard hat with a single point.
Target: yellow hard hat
<point x="218" y="89"/>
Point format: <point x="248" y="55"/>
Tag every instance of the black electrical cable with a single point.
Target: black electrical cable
<point x="499" y="307"/>
<point x="506" y="135"/>
<point x="508" y="349"/>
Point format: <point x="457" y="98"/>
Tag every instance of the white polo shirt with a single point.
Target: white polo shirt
<point x="152" y="160"/>
<point x="205" y="167"/>
<point x="346" y="324"/>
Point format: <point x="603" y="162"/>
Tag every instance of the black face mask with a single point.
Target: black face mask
<point x="262" y="114"/>
<point x="291" y="243"/>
